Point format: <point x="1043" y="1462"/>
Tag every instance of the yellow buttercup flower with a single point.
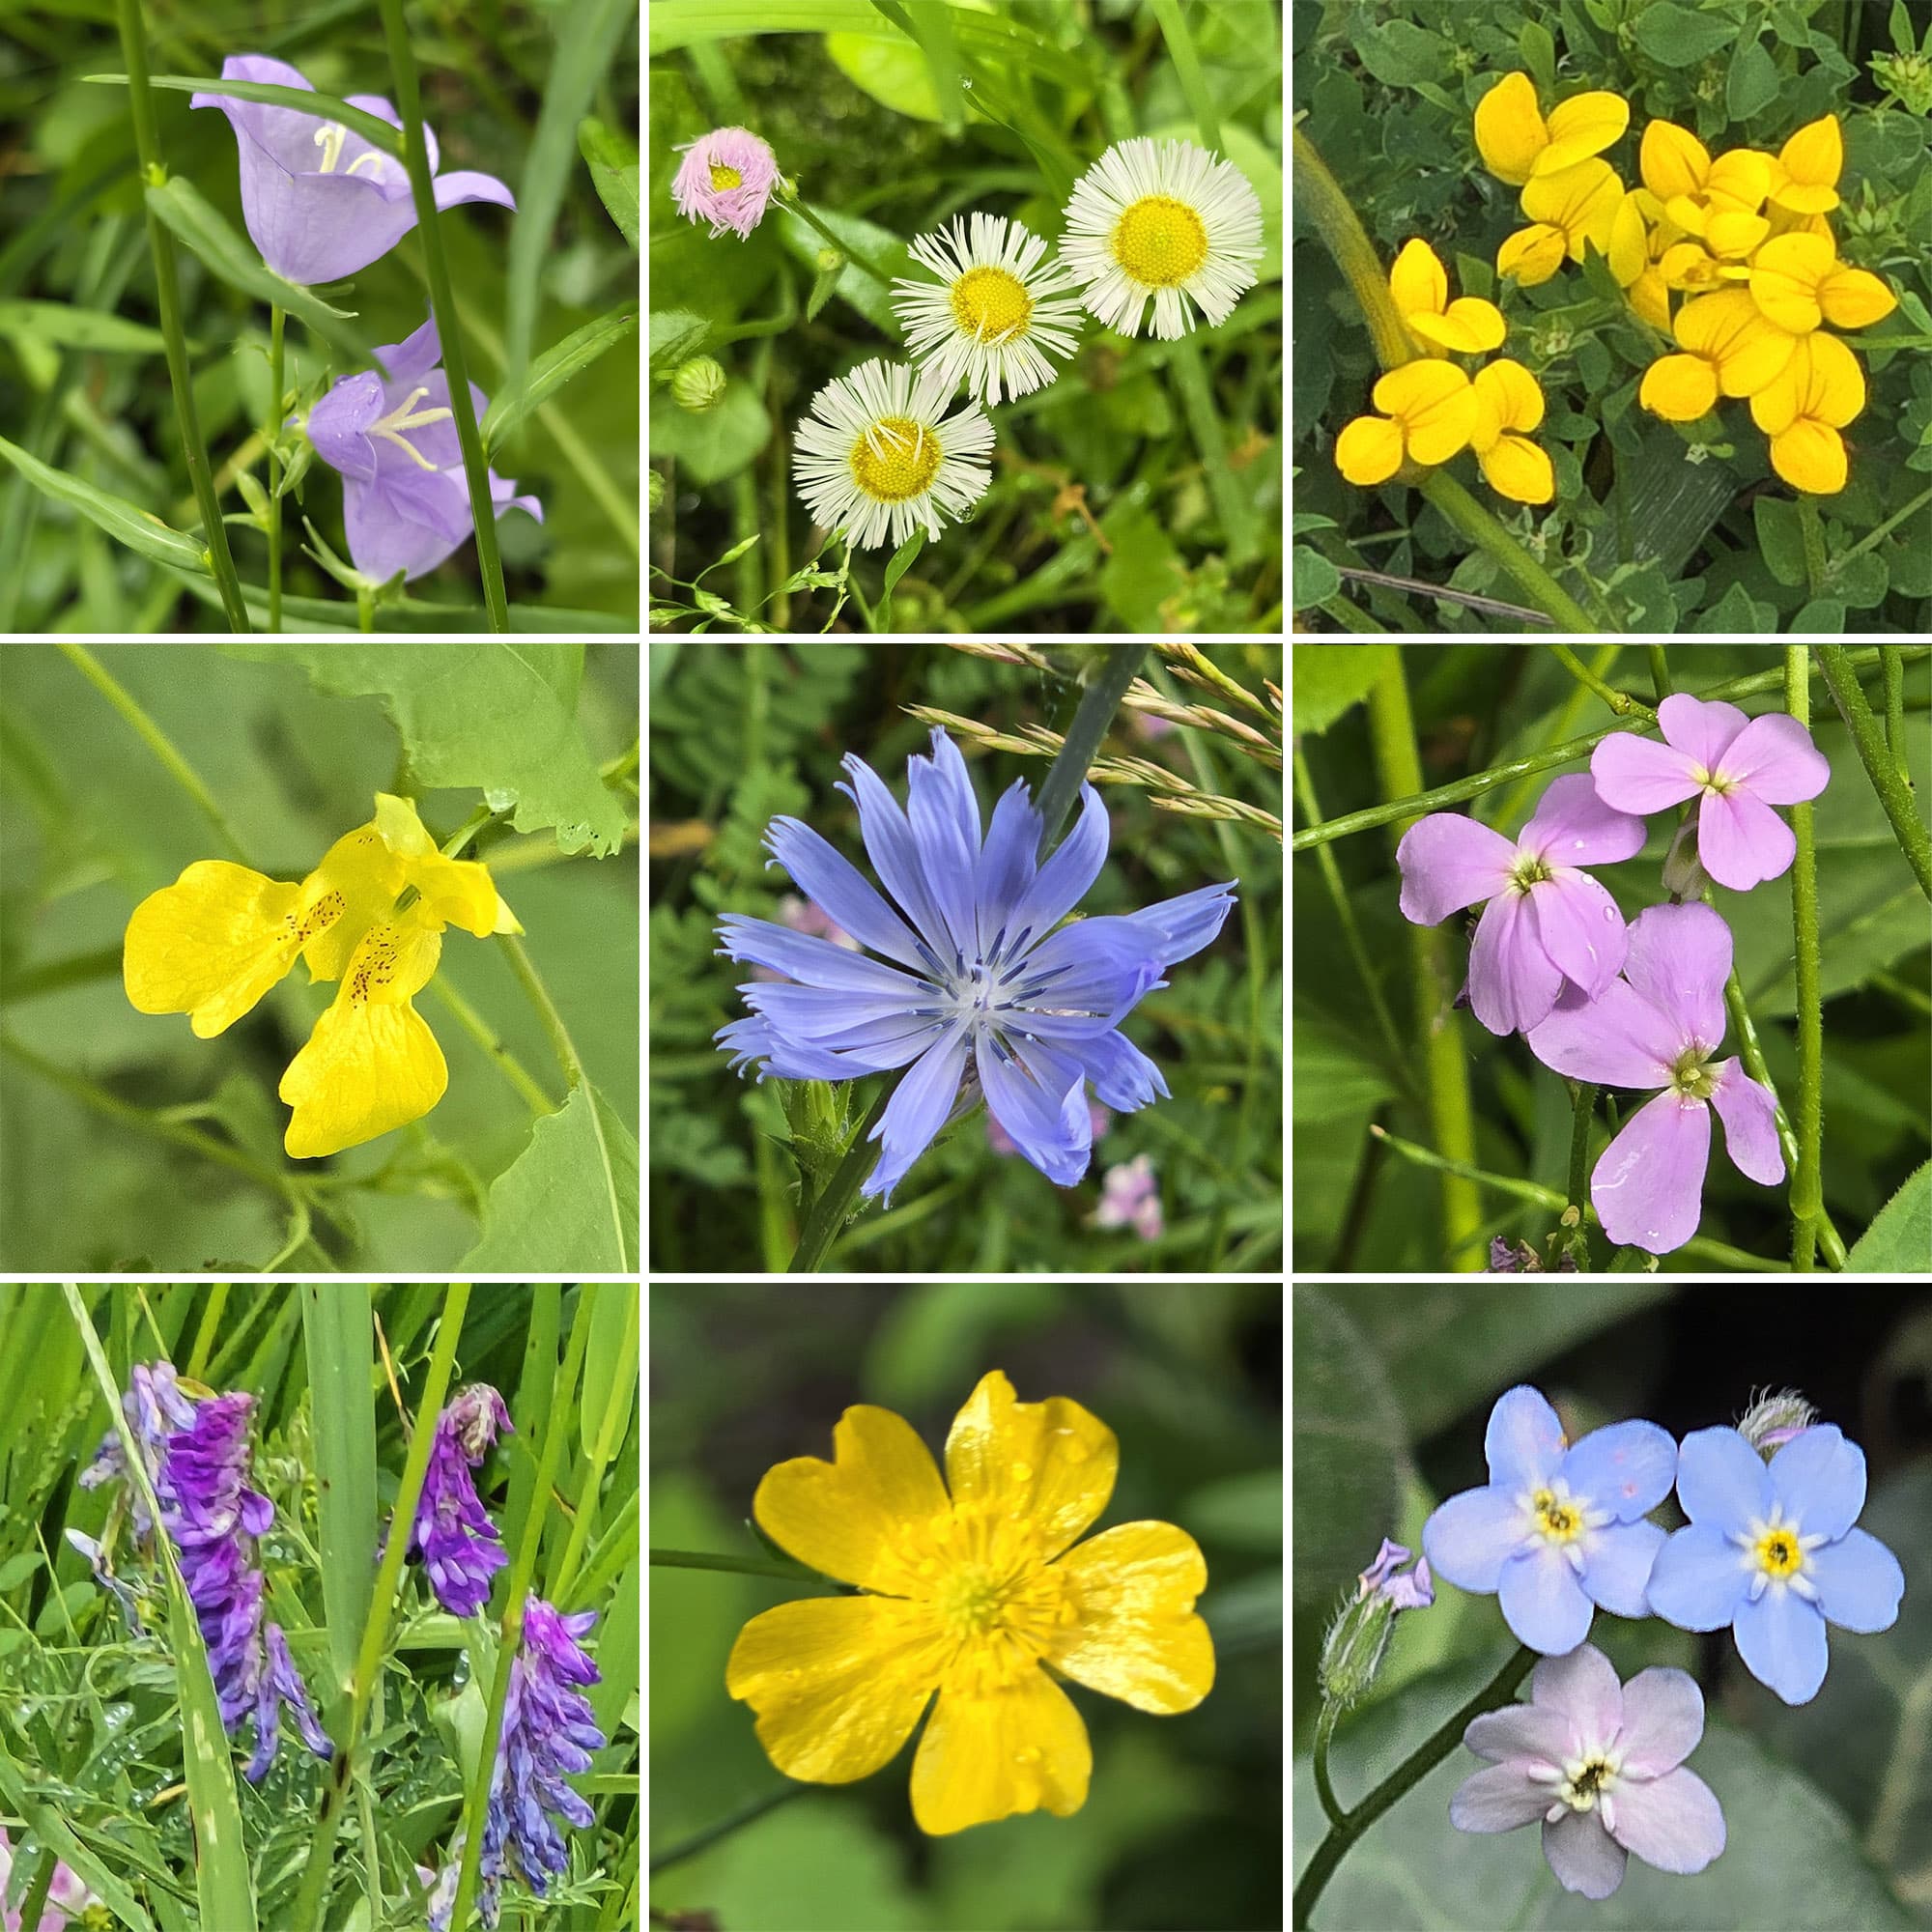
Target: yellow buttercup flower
<point x="1508" y="399"/>
<point x="1429" y="411"/>
<point x="1568" y="209"/>
<point x="1805" y="178"/>
<point x="1420" y="286"/>
<point x="1730" y="349"/>
<point x="1803" y="410"/>
<point x="979" y="1595"/>
<point x="371" y="914"/>
<point x="1797" y="282"/>
<point x="1518" y="144"/>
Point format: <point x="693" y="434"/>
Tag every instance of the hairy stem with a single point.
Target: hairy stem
<point x="1619" y="701"/>
<point x="1660" y="672"/>
<point x="1325" y="1787"/>
<point x="1892" y="668"/>
<point x="827" y="1214"/>
<point x="743" y="1565"/>
<point x="1808" y="1197"/>
<point x="1835" y="665"/>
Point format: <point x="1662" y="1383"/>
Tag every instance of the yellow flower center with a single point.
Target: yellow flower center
<point x="722" y="178"/>
<point x="997" y="1604"/>
<point x="1558" y="1519"/>
<point x="1529" y="871"/>
<point x="1690" y="1075"/>
<point x="1589" y="1781"/>
<point x="991" y="303"/>
<point x="1779" y="1553"/>
<point x="1160" y="241"/>
<point x="895" y="460"/>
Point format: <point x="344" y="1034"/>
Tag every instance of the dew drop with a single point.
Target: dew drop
<point x="1022" y="1472"/>
<point x="1076" y="1452"/>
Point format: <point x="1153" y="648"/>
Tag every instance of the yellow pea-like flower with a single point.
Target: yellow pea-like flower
<point x="1730" y="349"/>
<point x="1509" y="399"/>
<point x="1805" y="180"/>
<point x="1797" y="282"/>
<point x="1641" y="236"/>
<point x="1568" y="209"/>
<point x="1428" y="411"/>
<point x="1517" y="143"/>
<point x="1804" y="408"/>
<point x="1419" y="284"/>
<point x="1672" y="160"/>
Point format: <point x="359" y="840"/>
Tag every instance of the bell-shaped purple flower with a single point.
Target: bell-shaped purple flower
<point x="320" y="201"/>
<point x="405" y="497"/>
<point x="458" y="1544"/>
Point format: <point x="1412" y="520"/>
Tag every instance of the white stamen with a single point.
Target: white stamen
<point x="391" y="428"/>
<point x="329" y="137"/>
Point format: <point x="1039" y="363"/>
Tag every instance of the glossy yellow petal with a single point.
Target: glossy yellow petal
<point x="836" y="1683"/>
<point x="1853" y="298"/>
<point x="1687" y="214"/>
<point x="1531" y="255"/>
<point x="994" y="1753"/>
<point x="1135" y="1635"/>
<point x="1510" y="129"/>
<point x="1806" y="198"/>
<point x="1672" y="160"/>
<point x="1815" y="156"/>
<point x="1046" y="1467"/>
<point x="1582" y="201"/>
<point x="1418" y="281"/>
<point x="1738" y="180"/>
<point x="1471" y="327"/>
<point x="1785" y="279"/>
<point x="358" y="880"/>
<point x="458" y="891"/>
<point x="1756" y="354"/>
<point x="1810" y="456"/>
<point x="1507" y="397"/>
<point x="1833" y="383"/>
<point x="210" y="944"/>
<point x="1583" y="126"/>
<point x="1733" y="233"/>
<point x="1630" y="242"/>
<point x="1414" y="386"/>
<point x="866" y="1517"/>
<point x="1781" y="401"/>
<point x="1435" y="404"/>
<point x="1688" y="265"/>
<point x="1678" y="388"/>
<point x="1650" y="296"/>
<point x="1520" y="470"/>
<point x="1369" y="450"/>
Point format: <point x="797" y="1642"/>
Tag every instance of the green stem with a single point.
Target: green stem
<point x="804" y="211"/>
<point x="167" y="298"/>
<point x="1402" y="1780"/>
<point x="1582" y="1103"/>
<point x="1325" y="1788"/>
<point x="1187" y="70"/>
<point x="701" y="1842"/>
<point x="527" y="977"/>
<point x="1813" y="531"/>
<point x="275" y="442"/>
<point x="1233" y="497"/>
<point x="1660" y="672"/>
<point x="1619" y="701"/>
<point x="1565" y="721"/>
<point x="826" y="1217"/>
<point x="1445" y="1070"/>
<point x="1483" y="529"/>
<point x="1892" y="668"/>
<point x="506" y="1062"/>
<point x="1892" y="523"/>
<point x="442" y="305"/>
<point x="1893" y="793"/>
<point x="1808" y="1199"/>
<point x="742" y="1566"/>
<point x="1090" y="719"/>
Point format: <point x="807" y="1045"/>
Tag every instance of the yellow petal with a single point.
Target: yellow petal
<point x="865" y="1516"/>
<point x="1369" y="450"/>
<point x="1418" y="281"/>
<point x="1732" y="232"/>
<point x="459" y="892"/>
<point x="1686" y="212"/>
<point x="1756" y="354"/>
<point x="1520" y="470"/>
<point x="1688" y="265"/>
<point x="1046" y="1467"/>
<point x="1435" y="434"/>
<point x="1853" y="298"/>
<point x="1531" y="255"/>
<point x="210" y="944"/>
<point x="1776" y="406"/>
<point x="358" y="883"/>
<point x="1738" y="180"/>
<point x="1806" y="198"/>
<point x="1815" y="156"/>
<point x="1810" y="456"/>
<point x="1510" y="130"/>
<point x="1834" y="384"/>
<point x="1785" y="297"/>
<point x="1135" y="1635"/>
<point x="995" y="1753"/>
<point x="1560" y="199"/>
<point x="836" y="1683"/>
<point x="1629" y="251"/>
<point x="1678" y="388"/>
<point x="1471" y="327"/>
<point x="1672" y="160"/>
<point x="1650" y="297"/>
<point x="1507" y="397"/>
<point x="1583" y="126"/>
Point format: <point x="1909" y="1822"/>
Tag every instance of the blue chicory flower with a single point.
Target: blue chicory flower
<point x="1559" y="1530"/>
<point x="1770" y="1552"/>
<point x="404" y="496"/>
<point x="320" y="201"/>
<point x="459" y="1545"/>
<point x="988" y="994"/>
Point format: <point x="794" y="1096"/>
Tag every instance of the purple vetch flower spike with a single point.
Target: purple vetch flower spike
<point x="1547" y="923"/>
<point x="1661" y="1026"/>
<point x="1559" y="1529"/>
<point x="281" y="1684"/>
<point x="1602" y="1765"/>
<point x="154" y="1409"/>
<point x="727" y="178"/>
<point x="320" y="201"/>
<point x="440" y="1887"/>
<point x="404" y="496"/>
<point x="459" y="1545"/>
<point x="1737" y="767"/>
<point x="984" y="990"/>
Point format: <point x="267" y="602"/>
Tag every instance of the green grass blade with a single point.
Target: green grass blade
<point x="604" y="1415"/>
<point x="340" y="1341"/>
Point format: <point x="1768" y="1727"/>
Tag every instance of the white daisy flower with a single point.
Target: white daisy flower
<point x="878" y="455"/>
<point x="1166" y="221"/>
<point x="994" y="310"/>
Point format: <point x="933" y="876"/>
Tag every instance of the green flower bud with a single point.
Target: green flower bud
<point x="698" y="384"/>
<point x="1774" y="1419"/>
<point x="1683" y="876"/>
<point x="1354" y="1647"/>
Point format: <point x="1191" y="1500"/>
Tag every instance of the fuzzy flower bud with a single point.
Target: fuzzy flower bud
<point x="698" y="384"/>
<point x="1774" y="1419"/>
<point x="1358" y="1639"/>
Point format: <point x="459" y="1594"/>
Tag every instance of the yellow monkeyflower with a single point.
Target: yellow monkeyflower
<point x="1803" y="410"/>
<point x="979" y="1594"/>
<point x="1518" y="144"/>
<point x="216" y="941"/>
<point x="1806" y="178"/>
<point x="1730" y="349"/>
<point x="1508" y="399"/>
<point x="1576" y="204"/>
<point x="1797" y="282"/>
<point x="1432" y="410"/>
<point x="1420" y="286"/>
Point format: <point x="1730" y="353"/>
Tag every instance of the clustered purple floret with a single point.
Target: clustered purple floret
<point x="453" y="1534"/>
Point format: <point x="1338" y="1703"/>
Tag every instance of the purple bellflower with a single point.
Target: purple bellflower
<point x="1771" y="1551"/>
<point x="549" y="1731"/>
<point x="727" y="178"/>
<point x="405" y="497"/>
<point x="1547" y="923"/>
<point x="1602" y="1764"/>
<point x="458" y="1544"/>
<point x="1559" y="1529"/>
<point x="1660" y="1026"/>
<point x="1738" y="767"/>
<point x="321" y="202"/>
<point x="985" y="989"/>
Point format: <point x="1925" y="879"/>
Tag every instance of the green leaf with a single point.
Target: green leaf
<point x="1401" y="54"/>
<point x="1754" y="81"/>
<point x="181" y="210"/>
<point x="1899" y="1239"/>
<point x="551" y="371"/>
<point x="569" y="1201"/>
<point x="890" y="69"/>
<point x="491" y="716"/>
<point x="1678" y="37"/>
<point x="676" y="335"/>
<point x="63" y="326"/>
<point x="1735" y="615"/>
<point x="902" y="560"/>
<point x="1859" y="582"/>
<point x="1330" y="678"/>
<point x="716" y="444"/>
<point x="123" y="521"/>
<point x="1539" y="55"/>
<point x="1900" y="28"/>
<point x="1334" y="1080"/>
<point x="678" y="23"/>
<point x="611" y="157"/>
<point x="857" y="283"/>
<point x="372" y="129"/>
<point x="1823" y="614"/>
<point x="338" y="1341"/>
<point x="1245" y="1511"/>
<point x="1780" y="539"/>
<point x="609" y="1366"/>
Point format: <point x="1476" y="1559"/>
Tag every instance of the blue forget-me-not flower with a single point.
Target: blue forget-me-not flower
<point x="984" y="991"/>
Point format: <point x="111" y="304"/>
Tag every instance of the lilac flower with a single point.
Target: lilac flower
<point x="1742" y="766"/>
<point x="1003" y="1144"/>
<point x="458" y="1544"/>
<point x="1559" y="1529"/>
<point x="549" y="1730"/>
<point x="405" y="497"/>
<point x="1659" y="1026"/>
<point x="986" y="978"/>
<point x="1410" y="1590"/>
<point x="1773" y="1554"/>
<point x="1545" y="921"/>
<point x="154" y="1409"/>
<point x="1602" y="1764"/>
<point x="725" y="178"/>
<point x="66" y="1896"/>
<point x="320" y="201"/>
<point x="1130" y="1198"/>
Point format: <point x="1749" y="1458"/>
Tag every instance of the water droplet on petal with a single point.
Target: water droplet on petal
<point x="1022" y="1472"/>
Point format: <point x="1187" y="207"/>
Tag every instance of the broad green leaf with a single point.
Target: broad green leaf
<point x="1824" y="617"/>
<point x="1402" y="54"/>
<point x="1754" y="81"/>
<point x="865" y="243"/>
<point x="125" y="522"/>
<point x="1737" y="614"/>
<point x="888" y="67"/>
<point x="1899" y="1239"/>
<point x="611" y="157"/>
<point x="717" y="443"/>
<point x="338" y="1342"/>
<point x="569" y="1202"/>
<point x="551" y="371"/>
<point x="1780" y="539"/>
<point x="491" y="716"/>
<point x="677" y="335"/>
<point x="1334" y="1080"/>
<point x="677" y="23"/>
<point x="1539" y="55"/>
<point x="1331" y="678"/>
<point x="1315" y="579"/>
<point x="372" y="129"/>
<point x="66" y="326"/>
<point x="1679" y="36"/>
<point x="609" y="1366"/>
